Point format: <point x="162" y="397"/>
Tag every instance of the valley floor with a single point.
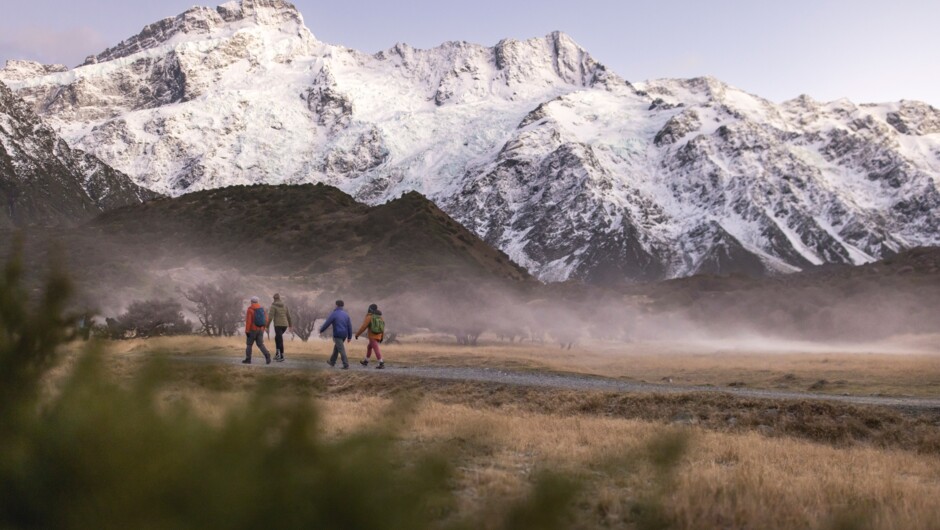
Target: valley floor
<point x="739" y="461"/>
<point x="902" y="367"/>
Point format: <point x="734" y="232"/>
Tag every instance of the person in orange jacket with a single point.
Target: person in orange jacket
<point x="255" y="324"/>
<point x="375" y="325"/>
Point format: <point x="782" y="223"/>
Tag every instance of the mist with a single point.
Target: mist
<point x="811" y="310"/>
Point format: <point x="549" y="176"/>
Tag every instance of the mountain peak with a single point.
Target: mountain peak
<point x="19" y="70"/>
<point x="263" y="12"/>
<point x="562" y="39"/>
<point x="204" y="21"/>
<point x="556" y="52"/>
<point x="534" y="144"/>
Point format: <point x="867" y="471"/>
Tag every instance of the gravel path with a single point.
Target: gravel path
<point x="568" y="381"/>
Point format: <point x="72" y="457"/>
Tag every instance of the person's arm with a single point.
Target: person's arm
<point x="348" y="329"/>
<point x="327" y="323"/>
<point x="248" y="319"/>
<point x="365" y="325"/>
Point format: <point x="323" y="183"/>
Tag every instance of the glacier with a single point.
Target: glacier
<point x="574" y="172"/>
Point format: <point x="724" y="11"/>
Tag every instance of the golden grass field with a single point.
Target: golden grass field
<point x="907" y="366"/>
<point x="731" y="476"/>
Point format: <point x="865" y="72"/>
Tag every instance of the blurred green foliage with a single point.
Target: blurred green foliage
<point x="92" y="453"/>
<point x="665" y="453"/>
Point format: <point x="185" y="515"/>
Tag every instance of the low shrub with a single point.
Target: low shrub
<point x="150" y="318"/>
<point x="96" y="454"/>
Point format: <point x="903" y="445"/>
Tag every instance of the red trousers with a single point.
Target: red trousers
<point x="373" y="345"/>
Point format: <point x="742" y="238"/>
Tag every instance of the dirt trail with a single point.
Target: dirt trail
<point x="569" y="381"/>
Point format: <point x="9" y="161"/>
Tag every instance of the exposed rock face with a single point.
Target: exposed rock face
<point x="19" y="70"/>
<point x="203" y="21"/>
<point x="706" y="179"/>
<point x="44" y="182"/>
<point x="572" y="171"/>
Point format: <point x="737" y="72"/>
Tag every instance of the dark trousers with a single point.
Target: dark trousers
<point x="279" y="338"/>
<point x="339" y="349"/>
<point x="255" y="337"/>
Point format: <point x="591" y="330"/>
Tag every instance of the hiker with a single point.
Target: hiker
<point x="279" y="315"/>
<point x="376" y="326"/>
<point x="342" y="331"/>
<point x="255" y="324"/>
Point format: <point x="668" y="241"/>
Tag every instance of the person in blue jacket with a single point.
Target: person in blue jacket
<point x="342" y="332"/>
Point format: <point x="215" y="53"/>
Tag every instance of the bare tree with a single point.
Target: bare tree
<point x="218" y="310"/>
<point x="150" y="318"/>
<point x="305" y="314"/>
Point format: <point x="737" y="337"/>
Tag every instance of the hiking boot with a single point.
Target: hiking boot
<point x="364" y="362"/>
<point x="381" y="365"/>
<point x="267" y="359"/>
<point x="345" y="367"/>
<point x="246" y="361"/>
<point x="332" y="365"/>
<point x="279" y="359"/>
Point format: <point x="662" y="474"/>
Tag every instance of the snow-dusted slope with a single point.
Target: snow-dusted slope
<point x="43" y="181"/>
<point x="574" y="172"/>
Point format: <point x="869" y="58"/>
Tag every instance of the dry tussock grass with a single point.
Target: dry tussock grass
<point x="833" y="423"/>
<point x="836" y="424"/>
<point x="869" y="471"/>
<point x="723" y="481"/>
<point x="903" y="367"/>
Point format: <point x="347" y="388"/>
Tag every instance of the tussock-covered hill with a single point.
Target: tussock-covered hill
<point x="311" y="231"/>
<point x="312" y="237"/>
<point x="893" y="296"/>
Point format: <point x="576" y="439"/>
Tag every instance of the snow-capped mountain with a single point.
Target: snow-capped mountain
<point x="572" y="171"/>
<point x="44" y="181"/>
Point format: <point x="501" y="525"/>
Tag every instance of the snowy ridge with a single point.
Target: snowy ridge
<point x="45" y="182"/>
<point x="572" y="171"/>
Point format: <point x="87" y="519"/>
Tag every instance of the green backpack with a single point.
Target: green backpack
<point x="377" y="325"/>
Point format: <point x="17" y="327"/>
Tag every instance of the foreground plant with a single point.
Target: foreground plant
<point x="96" y="454"/>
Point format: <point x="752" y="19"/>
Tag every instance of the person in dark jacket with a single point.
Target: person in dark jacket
<point x="342" y="332"/>
<point x="279" y="315"/>
<point x="254" y="333"/>
<point x="374" y="337"/>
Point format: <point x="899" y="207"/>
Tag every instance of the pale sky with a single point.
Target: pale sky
<point x="866" y="50"/>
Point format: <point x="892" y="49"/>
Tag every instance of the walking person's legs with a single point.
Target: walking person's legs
<point x="374" y="345"/>
<point x="335" y="354"/>
<point x="279" y="342"/>
<point x="365" y="362"/>
<point x="340" y="347"/>
<point x="248" y="343"/>
<point x="259" y="339"/>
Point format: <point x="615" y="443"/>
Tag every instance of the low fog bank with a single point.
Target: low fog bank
<point x="759" y="319"/>
<point x="832" y="309"/>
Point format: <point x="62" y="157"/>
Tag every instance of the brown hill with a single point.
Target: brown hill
<point x="899" y="294"/>
<point x="310" y="230"/>
<point x="313" y="236"/>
